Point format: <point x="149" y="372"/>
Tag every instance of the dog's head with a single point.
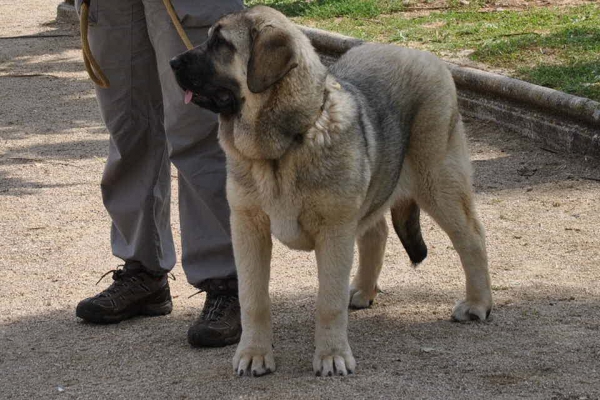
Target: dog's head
<point x="246" y="54"/>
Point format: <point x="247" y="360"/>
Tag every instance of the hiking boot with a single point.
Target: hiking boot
<point x="219" y="323"/>
<point x="135" y="291"/>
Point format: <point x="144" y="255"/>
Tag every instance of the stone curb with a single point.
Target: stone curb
<point x="558" y="121"/>
<point x="65" y="12"/>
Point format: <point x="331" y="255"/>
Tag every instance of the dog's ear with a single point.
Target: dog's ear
<point x="272" y="57"/>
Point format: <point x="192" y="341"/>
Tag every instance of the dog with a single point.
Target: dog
<point x="317" y="156"/>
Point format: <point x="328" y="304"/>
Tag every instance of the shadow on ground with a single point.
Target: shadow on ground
<point x="19" y="187"/>
<point x="513" y="161"/>
<point x="30" y="53"/>
<point x="403" y="352"/>
<point x="45" y="91"/>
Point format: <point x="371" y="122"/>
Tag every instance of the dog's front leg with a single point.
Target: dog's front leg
<point x="251" y="235"/>
<point x="334" y="252"/>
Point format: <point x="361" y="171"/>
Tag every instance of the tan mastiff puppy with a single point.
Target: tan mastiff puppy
<point x="316" y="157"/>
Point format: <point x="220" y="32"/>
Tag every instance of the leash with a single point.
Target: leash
<point x="184" y="37"/>
<point x="91" y="65"/>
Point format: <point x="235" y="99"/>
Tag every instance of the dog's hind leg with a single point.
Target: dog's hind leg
<point x="445" y="193"/>
<point x="407" y="224"/>
<point x="371" y="249"/>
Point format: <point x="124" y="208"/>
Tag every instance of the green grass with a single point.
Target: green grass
<point x="333" y="8"/>
<point x="553" y="47"/>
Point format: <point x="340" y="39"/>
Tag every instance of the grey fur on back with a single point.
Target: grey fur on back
<point x="389" y="84"/>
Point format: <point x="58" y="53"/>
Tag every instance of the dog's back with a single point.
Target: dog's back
<point x="395" y="82"/>
<point x="391" y="85"/>
<point x="386" y="74"/>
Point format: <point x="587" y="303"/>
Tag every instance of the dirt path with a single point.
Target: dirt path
<point x="541" y="211"/>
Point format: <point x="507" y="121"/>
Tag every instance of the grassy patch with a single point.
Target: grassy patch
<point x="334" y="8"/>
<point x="582" y="79"/>
<point x="566" y="60"/>
<point x="553" y="47"/>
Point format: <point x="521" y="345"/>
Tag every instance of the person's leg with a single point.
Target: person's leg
<point x="207" y="254"/>
<point x="194" y="148"/>
<point x="136" y="180"/>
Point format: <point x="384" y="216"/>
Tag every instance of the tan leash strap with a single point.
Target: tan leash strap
<point x="91" y="65"/>
<point x="184" y="37"/>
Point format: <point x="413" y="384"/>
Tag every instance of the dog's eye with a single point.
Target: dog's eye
<point x="216" y="41"/>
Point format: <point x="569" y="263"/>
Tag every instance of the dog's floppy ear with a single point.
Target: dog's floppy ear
<point x="271" y="59"/>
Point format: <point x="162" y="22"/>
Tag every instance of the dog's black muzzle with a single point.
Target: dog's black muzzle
<point x="196" y="75"/>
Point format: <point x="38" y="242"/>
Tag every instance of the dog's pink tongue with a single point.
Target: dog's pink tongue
<point x="188" y="96"/>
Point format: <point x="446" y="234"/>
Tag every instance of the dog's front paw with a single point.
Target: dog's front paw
<point x="465" y="310"/>
<point x="330" y="363"/>
<point x="360" y="298"/>
<point x="253" y="360"/>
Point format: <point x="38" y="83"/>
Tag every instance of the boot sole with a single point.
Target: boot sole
<point x="149" y="310"/>
<point x="205" y="342"/>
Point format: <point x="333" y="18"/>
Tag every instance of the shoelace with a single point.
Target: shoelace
<point x="216" y="307"/>
<point x="118" y="283"/>
<point x="119" y="274"/>
<point x="210" y="311"/>
<point x="198" y="292"/>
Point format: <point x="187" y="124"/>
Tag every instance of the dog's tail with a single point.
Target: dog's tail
<point x="406" y="221"/>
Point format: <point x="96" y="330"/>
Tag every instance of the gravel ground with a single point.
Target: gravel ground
<point x="541" y="211"/>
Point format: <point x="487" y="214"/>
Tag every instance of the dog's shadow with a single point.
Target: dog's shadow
<point x="395" y="338"/>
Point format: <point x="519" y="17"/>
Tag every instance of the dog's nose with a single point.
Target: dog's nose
<point x="176" y="63"/>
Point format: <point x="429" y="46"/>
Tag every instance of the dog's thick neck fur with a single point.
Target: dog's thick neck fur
<point x="262" y="132"/>
<point x="330" y="120"/>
